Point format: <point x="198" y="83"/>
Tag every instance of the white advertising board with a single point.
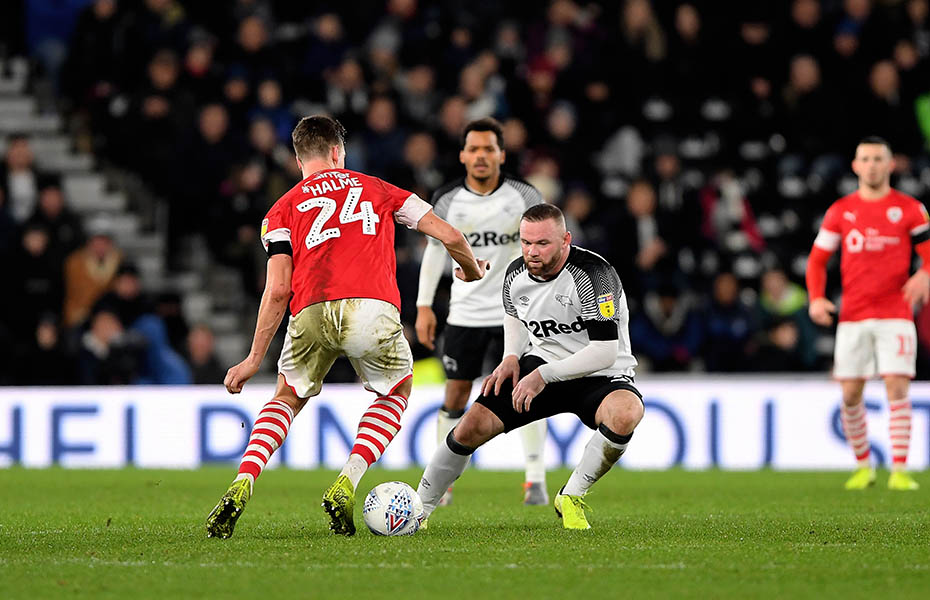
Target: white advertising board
<point x="691" y="423"/>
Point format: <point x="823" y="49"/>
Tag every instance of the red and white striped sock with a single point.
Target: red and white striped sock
<point x="899" y="427"/>
<point x="854" y="426"/>
<point x="268" y="434"/>
<point x="378" y="426"/>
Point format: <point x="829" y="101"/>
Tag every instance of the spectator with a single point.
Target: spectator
<point x="66" y="232"/>
<point x="270" y="106"/>
<point x="781" y="299"/>
<point x="729" y="327"/>
<point x="109" y="355"/>
<point x="135" y="311"/>
<point x="88" y="273"/>
<point x="667" y="330"/>
<point x="36" y="273"/>
<point x="779" y="350"/>
<point x="19" y="179"/>
<point x="42" y="360"/>
<point x="201" y="355"/>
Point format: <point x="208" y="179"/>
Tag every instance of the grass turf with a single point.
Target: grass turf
<point x="139" y="534"/>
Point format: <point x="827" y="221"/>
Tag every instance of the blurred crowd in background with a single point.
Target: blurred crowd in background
<point x="695" y="145"/>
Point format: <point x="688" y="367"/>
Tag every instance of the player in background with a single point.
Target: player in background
<point x="330" y="244"/>
<point x="486" y="206"/>
<point x="566" y="349"/>
<point x="876" y="226"/>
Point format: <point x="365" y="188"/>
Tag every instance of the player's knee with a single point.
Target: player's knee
<point x="621" y="412"/>
<point x="457" y="393"/>
<point x="852" y="397"/>
<point x="477" y="427"/>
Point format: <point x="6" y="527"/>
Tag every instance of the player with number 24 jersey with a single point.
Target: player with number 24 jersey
<point x="362" y="264"/>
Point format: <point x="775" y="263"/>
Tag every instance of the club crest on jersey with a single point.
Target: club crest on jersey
<point x="264" y="227"/>
<point x="564" y="300"/>
<point x="894" y="214"/>
<point x="605" y="304"/>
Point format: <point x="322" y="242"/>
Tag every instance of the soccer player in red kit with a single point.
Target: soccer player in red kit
<point x="330" y="245"/>
<point x="876" y="226"/>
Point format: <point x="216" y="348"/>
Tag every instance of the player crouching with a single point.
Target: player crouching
<point x="578" y="361"/>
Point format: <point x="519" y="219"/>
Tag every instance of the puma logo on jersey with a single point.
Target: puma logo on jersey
<point x="849" y="216"/>
<point x="553" y="327"/>
<point x="477" y="239"/>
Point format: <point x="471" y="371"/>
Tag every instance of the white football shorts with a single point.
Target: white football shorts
<point x="367" y="331"/>
<point x="875" y="347"/>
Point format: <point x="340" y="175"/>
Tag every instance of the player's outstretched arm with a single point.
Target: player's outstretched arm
<point x="274" y="302"/>
<point x="471" y="269"/>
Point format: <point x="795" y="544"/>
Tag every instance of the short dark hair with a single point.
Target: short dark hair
<point x="485" y="124"/>
<point x="874" y="139"/>
<point x="315" y="135"/>
<point x="542" y="212"/>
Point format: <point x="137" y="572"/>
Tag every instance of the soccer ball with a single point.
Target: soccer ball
<point x="393" y="508"/>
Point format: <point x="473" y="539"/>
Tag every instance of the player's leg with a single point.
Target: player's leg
<point x="451" y="457"/>
<point x="899" y="426"/>
<point x="463" y="351"/>
<point x="371" y="336"/>
<point x="617" y="416"/>
<point x="488" y="417"/>
<point x="533" y="437"/>
<point x="855" y="428"/>
<point x="449" y="415"/>
<point x="268" y="433"/>
<point x="853" y="364"/>
<point x="896" y="343"/>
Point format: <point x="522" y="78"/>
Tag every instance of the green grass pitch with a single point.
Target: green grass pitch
<point x="675" y="534"/>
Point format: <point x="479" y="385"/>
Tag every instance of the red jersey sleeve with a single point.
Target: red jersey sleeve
<point x="276" y="229"/>
<point x="918" y="222"/>
<point x="830" y="234"/>
<point x="408" y="208"/>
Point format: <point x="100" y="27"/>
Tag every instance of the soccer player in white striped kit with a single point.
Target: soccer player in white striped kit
<point x="486" y="206"/>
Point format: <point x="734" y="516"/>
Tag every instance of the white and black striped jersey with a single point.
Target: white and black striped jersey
<point x="491" y="224"/>
<point x="584" y="302"/>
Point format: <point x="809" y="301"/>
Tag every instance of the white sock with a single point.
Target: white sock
<point x="534" y="445"/>
<point x="444" y="468"/>
<point x="446" y="420"/>
<point x="354" y="468"/>
<point x="599" y="456"/>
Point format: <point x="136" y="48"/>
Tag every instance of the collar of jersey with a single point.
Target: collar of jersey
<point x="500" y="182"/>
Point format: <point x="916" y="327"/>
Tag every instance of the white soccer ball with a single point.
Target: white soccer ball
<point x="393" y="508"/>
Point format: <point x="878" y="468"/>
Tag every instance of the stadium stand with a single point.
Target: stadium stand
<point x="694" y="144"/>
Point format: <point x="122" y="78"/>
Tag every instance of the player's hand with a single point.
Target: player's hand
<point x="483" y="267"/>
<point x="426" y="326"/>
<point x="508" y="369"/>
<point x="238" y="375"/>
<point x="820" y="311"/>
<point x="917" y="289"/>
<point x="528" y="388"/>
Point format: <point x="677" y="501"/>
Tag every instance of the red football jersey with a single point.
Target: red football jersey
<point x="339" y="225"/>
<point x="876" y="252"/>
